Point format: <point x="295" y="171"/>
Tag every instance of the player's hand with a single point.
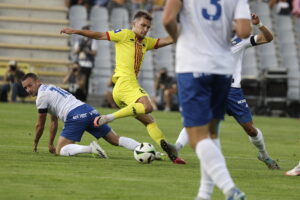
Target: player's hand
<point x="67" y="31"/>
<point x="255" y="19"/>
<point x="51" y="148"/>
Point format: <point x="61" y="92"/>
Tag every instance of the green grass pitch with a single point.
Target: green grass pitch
<point x="27" y="175"/>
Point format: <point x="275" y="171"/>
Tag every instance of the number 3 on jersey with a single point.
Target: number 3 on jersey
<point x="216" y="15"/>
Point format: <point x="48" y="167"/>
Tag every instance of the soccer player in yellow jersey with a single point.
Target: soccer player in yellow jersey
<point x="131" y="46"/>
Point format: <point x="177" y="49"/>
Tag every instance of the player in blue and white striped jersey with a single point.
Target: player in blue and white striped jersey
<point x="77" y="117"/>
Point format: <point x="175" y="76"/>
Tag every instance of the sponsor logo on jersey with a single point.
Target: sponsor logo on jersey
<point x="117" y="30"/>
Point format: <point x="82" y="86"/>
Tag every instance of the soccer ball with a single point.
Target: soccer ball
<point x="144" y="153"/>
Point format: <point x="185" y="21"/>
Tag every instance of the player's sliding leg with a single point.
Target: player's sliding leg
<point x="66" y="147"/>
<point x="121" y="141"/>
<point x="128" y="143"/>
<point x="257" y="139"/>
<point x="157" y="135"/>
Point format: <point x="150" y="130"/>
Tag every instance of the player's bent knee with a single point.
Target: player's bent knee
<point x="148" y="109"/>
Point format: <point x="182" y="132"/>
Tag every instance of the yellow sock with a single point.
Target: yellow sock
<point x="155" y="133"/>
<point x="130" y="110"/>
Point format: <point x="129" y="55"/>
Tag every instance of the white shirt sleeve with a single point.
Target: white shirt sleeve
<point x="42" y="102"/>
<point x="247" y="42"/>
<point x="242" y="10"/>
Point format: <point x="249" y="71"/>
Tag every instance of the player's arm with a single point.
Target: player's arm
<point x="171" y="10"/>
<point x="265" y="35"/>
<point x="243" y="28"/>
<point x="242" y="19"/>
<point x="39" y="129"/>
<point x="53" y="131"/>
<point x="86" y="33"/>
<point x="164" y="42"/>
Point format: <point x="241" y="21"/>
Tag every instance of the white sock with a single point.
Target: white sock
<point x="128" y="143"/>
<point x="182" y="140"/>
<point x="73" y="149"/>
<point x="259" y="143"/>
<point x="110" y="117"/>
<point x="206" y="183"/>
<point x="213" y="162"/>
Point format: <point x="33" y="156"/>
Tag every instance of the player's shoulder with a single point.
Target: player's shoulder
<point x="122" y="31"/>
<point x="43" y="88"/>
<point x="42" y="94"/>
<point x="46" y="89"/>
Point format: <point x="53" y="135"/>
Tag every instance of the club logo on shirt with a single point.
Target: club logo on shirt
<point x="117" y="30"/>
<point x="235" y="41"/>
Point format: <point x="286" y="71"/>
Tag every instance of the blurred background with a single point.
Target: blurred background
<point x="30" y="42"/>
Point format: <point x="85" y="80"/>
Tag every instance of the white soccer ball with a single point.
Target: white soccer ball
<point x="144" y="153"/>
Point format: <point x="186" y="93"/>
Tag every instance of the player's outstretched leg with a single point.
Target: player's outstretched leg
<point x="294" y="172"/>
<point x="130" y="110"/>
<point x="257" y="139"/>
<point x="172" y="152"/>
<point x="97" y="150"/>
<point x="67" y="147"/>
<point x="157" y="135"/>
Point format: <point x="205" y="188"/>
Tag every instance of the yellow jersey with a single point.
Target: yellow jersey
<point x="130" y="52"/>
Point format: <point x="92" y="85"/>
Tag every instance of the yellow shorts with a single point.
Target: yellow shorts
<point x="127" y="91"/>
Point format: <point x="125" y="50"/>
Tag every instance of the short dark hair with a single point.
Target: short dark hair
<point x="144" y="14"/>
<point x="30" y="75"/>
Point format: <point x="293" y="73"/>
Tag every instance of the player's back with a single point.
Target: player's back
<point x="56" y="100"/>
<point x="206" y="28"/>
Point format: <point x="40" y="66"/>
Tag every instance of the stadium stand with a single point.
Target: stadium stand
<point x="30" y="35"/>
<point x="119" y="18"/>
<point x="146" y="78"/>
<point x="103" y="61"/>
<point x="280" y="57"/>
<point x="164" y="57"/>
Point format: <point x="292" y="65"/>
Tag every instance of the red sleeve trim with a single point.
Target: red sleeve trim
<point x="156" y="45"/>
<point x="107" y="35"/>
